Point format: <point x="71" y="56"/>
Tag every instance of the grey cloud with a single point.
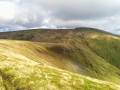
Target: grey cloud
<point x="81" y="9"/>
<point x="102" y="14"/>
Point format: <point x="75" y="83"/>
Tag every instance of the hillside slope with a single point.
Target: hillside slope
<point x="86" y="51"/>
<point x="21" y="69"/>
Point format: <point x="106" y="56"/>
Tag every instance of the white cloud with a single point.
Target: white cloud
<point x="7" y="11"/>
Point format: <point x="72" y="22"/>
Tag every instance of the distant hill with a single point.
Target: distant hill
<point x="85" y="51"/>
<point x="36" y="34"/>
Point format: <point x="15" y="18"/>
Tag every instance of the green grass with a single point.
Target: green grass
<point x="107" y="48"/>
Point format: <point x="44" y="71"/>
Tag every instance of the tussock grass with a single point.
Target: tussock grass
<point x="18" y="73"/>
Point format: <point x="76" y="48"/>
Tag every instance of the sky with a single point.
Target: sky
<point x="53" y="14"/>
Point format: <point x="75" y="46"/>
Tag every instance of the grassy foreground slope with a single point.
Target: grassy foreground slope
<point x="18" y="72"/>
